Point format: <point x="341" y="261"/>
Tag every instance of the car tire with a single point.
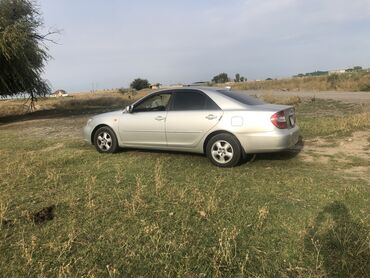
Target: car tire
<point x="224" y="150"/>
<point x="105" y="140"/>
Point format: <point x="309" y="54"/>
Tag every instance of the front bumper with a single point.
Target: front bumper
<point x="87" y="131"/>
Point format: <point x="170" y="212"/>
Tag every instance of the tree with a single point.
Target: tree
<point x="237" y="77"/>
<point x="357" y="68"/>
<point x="242" y="79"/>
<point x="220" y="78"/>
<point x="139" y="84"/>
<point x="23" y="52"/>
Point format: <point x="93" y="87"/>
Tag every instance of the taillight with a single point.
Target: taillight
<point x="278" y="119"/>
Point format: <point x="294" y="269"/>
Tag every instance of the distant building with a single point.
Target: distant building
<point x="200" y="84"/>
<point x="59" y="93"/>
<point x="155" y="86"/>
<point x="173" y="86"/>
<point x="338" y="71"/>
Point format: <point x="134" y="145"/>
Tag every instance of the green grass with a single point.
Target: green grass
<point x="331" y="118"/>
<point x="153" y="214"/>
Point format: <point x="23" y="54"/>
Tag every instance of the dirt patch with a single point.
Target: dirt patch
<point x="53" y="148"/>
<point x="356" y="145"/>
<point x="70" y="127"/>
<point x="347" y="150"/>
<point x="45" y="214"/>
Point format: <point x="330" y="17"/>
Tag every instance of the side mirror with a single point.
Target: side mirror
<point x="129" y="108"/>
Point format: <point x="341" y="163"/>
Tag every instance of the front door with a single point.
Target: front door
<point x="145" y="125"/>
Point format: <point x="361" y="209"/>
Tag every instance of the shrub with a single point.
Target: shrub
<point x="139" y="84"/>
<point x="221" y="78"/>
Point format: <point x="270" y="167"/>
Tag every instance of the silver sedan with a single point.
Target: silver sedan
<point x="225" y="125"/>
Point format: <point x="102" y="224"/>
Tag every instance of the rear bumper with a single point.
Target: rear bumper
<point x="272" y="141"/>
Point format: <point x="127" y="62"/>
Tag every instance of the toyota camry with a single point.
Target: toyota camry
<point x="222" y="124"/>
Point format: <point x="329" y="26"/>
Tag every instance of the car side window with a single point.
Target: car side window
<point x="192" y="100"/>
<point x="211" y="105"/>
<point x="157" y="102"/>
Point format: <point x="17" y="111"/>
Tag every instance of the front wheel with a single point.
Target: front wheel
<point x="224" y="150"/>
<point x="105" y="140"/>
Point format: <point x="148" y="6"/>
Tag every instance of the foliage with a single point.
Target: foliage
<point x="333" y="79"/>
<point x="22" y="50"/>
<point x="220" y="78"/>
<point x="125" y="91"/>
<point x="139" y="84"/>
<point x="314" y="73"/>
<point x="239" y="78"/>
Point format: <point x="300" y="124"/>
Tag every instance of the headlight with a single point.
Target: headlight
<point x="88" y="121"/>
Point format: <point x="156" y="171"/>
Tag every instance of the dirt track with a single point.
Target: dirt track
<point x="351" y="97"/>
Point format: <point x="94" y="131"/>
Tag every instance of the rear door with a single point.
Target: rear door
<point x="190" y="116"/>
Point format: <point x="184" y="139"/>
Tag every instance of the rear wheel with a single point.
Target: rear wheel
<point x="224" y="150"/>
<point x="105" y="140"/>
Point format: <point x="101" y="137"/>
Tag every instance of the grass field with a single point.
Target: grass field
<point x="355" y="81"/>
<point x="68" y="211"/>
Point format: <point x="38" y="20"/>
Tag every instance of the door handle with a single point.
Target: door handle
<point x="211" y="117"/>
<point x="160" y="118"/>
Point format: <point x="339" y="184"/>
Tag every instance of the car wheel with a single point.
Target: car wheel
<point x="224" y="150"/>
<point x="105" y="140"/>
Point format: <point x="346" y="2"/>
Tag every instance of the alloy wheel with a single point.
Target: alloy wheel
<point x="222" y="151"/>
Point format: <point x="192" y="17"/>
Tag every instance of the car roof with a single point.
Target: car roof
<point x="222" y="100"/>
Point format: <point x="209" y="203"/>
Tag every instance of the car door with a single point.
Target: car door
<point x="190" y="116"/>
<point x="145" y="124"/>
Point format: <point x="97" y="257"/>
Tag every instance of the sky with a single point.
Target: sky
<point x="107" y="44"/>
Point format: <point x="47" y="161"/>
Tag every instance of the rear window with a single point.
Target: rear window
<point x="243" y="98"/>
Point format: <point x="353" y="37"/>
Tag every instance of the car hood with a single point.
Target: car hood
<point x="108" y="114"/>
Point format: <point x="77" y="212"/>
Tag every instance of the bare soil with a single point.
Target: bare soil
<point x="345" y="151"/>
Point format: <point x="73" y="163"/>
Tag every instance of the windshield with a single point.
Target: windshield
<point x="241" y="97"/>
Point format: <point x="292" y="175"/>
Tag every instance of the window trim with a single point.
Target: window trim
<point x="229" y="95"/>
<point x="153" y="95"/>
<point x="174" y="92"/>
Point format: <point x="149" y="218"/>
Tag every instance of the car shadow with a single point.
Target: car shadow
<point x="284" y="155"/>
<point x="337" y="243"/>
<point x="148" y="151"/>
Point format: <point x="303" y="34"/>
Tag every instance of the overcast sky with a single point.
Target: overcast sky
<point x="106" y="44"/>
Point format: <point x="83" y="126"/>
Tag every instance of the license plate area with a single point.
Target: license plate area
<point x="292" y="120"/>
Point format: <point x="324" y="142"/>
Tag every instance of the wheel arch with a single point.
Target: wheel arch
<point x="96" y="128"/>
<point x="216" y="132"/>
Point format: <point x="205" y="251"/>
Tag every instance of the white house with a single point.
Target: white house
<point x="59" y="93"/>
<point x="338" y="71"/>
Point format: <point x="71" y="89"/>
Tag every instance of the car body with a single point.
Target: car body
<point x="186" y="119"/>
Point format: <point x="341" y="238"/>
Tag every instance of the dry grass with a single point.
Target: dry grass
<point x="334" y="125"/>
<point x="293" y="100"/>
<point x="77" y="101"/>
<point x="341" y="82"/>
<point x="153" y="214"/>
